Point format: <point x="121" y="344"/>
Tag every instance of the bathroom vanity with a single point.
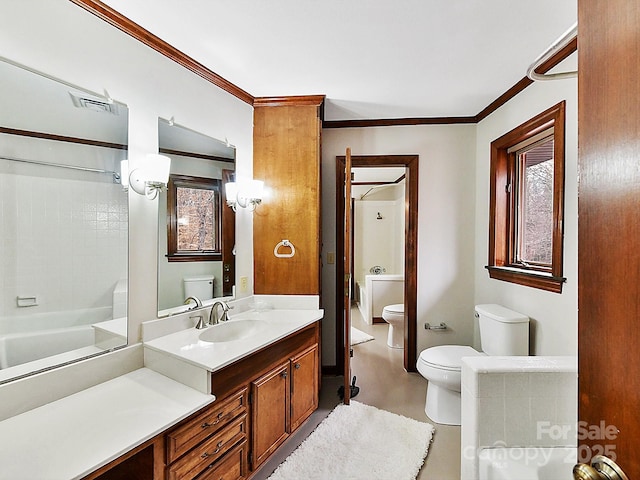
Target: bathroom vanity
<point x="144" y="425"/>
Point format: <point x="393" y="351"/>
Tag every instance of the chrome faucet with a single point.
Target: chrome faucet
<point x="214" y="319"/>
<point x="196" y="300"/>
<point x="200" y="323"/>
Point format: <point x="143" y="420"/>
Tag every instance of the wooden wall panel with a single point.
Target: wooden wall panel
<point x="287" y="158"/>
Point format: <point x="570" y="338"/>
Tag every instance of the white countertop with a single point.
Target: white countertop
<point x="76" y="435"/>
<point x="278" y="323"/>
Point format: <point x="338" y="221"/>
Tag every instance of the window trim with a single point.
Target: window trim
<point x="173" y="254"/>
<point x="502" y="204"/>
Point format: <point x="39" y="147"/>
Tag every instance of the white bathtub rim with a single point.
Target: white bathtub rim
<point x="31" y="321"/>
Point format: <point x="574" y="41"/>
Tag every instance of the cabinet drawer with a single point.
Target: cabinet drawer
<point x="211" y="450"/>
<point x="190" y="434"/>
<point x="233" y="466"/>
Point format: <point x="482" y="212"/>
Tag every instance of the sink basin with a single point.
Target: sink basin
<point x="232" y="330"/>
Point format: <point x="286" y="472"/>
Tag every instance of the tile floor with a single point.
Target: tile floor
<point x="384" y="384"/>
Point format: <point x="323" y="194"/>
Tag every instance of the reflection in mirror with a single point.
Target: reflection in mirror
<point x="196" y="237"/>
<point x="63" y="225"/>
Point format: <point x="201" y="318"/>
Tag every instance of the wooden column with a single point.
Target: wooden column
<point x="286" y="156"/>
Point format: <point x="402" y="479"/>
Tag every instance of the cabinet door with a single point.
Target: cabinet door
<point x="286" y="155"/>
<point x="270" y="412"/>
<point x="304" y="385"/>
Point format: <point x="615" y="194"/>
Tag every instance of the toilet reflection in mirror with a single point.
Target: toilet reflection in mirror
<point x="196" y="229"/>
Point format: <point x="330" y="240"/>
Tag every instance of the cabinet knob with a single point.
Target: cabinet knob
<point x="297" y="366"/>
<point x="283" y="374"/>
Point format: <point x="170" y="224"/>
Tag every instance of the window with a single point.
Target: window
<point x="194" y="217"/>
<point x="527" y="203"/>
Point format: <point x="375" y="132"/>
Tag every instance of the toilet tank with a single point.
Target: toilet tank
<point x="200" y="286"/>
<point x="502" y="331"/>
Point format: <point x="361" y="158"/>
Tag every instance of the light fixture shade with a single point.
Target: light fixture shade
<point x="151" y="175"/>
<point x="157" y="168"/>
<point x="124" y="174"/>
<point x="244" y="193"/>
<point x="231" y="191"/>
<point x="255" y="189"/>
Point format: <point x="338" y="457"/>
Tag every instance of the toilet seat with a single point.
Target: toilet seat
<point x="447" y="357"/>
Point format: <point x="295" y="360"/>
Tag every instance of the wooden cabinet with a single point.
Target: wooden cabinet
<point x="261" y="400"/>
<point x="283" y="384"/>
<point x="304" y="385"/>
<point x="286" y="156"/>
<point x="282" y="399"/>
<point x="212" y="441"/>
<point x="270" y="397"/>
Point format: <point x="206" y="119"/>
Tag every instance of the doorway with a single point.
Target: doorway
<point x="410" y="162"/>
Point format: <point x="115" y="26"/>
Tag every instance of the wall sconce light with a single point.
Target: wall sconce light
<point x="151" y="175"/>
<point x="124" y="175"/>
<point x="244" y="193"/>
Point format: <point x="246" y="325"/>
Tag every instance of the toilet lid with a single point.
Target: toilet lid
<point x="396" y="308"/>
<point x="448" y="356"/>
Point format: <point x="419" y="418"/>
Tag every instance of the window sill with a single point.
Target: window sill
<point x="194" y="257"/>
<point x="543" y="281"/>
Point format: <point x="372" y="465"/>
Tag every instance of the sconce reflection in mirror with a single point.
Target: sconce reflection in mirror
<point x="244" y="193"/>
<point x="150" y="176"/>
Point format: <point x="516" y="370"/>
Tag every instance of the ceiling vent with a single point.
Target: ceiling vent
<point x="94" y="104"/>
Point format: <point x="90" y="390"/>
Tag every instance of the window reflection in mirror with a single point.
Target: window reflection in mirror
<point x="63" y="225"/>
<point x="196" y="229"/>
<point x="194" y="219"/>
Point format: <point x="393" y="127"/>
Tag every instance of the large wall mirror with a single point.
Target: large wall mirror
<point x="63" y="222"/>
<point x="196" y="233"/>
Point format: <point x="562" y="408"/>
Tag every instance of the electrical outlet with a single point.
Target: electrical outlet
<point x="331" y="258"/>
<point x="244" y="283"/>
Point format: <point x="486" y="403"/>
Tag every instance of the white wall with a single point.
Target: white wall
<point x="554" y="316"/>
<point x="377" y="240"/>
<point x="61" y="39"/>
<point x="446" y="219"/>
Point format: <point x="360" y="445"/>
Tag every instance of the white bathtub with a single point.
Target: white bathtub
<point x="27" y="338"/>
<point x="376" y="292"/>
<point x="527" y="463"/>
<point x="19" y="348"/>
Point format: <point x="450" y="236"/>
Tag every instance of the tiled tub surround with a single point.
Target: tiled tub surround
<point x="83" y="216"/>
<point x="516" y="402"/>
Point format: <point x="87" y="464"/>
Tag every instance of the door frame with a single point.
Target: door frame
<point x="411" y="248"/>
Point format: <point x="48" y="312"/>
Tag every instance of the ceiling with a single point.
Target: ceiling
<point x="373" y="60"/>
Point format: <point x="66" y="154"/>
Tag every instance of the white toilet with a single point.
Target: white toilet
<point x="394" y="316"/>
<point x="502" y="332"/>
<point x="199" y="286"/>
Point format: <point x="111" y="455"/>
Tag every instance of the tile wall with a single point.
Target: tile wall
<point x="516" y="402"/>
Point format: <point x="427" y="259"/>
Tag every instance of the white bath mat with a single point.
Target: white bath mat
<point x="360" y="442"/>
<point x="358" y="336"/>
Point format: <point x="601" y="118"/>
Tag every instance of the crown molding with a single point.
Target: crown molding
<point x="116" y="19"/>
<point x="131" y="28"/>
